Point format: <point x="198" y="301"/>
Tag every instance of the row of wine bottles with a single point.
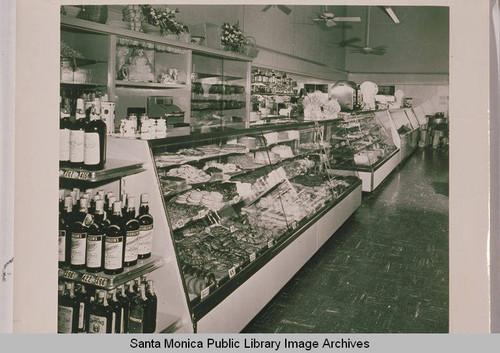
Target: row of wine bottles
<point x="104" y="234"/>
<point x="82" y="143"/>
<point x="130" y="308"/>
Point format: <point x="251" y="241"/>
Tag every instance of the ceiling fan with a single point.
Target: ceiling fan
<point x="285" y="9"/>
<point x="331" y="20"/>
<point x="367" y="49"/>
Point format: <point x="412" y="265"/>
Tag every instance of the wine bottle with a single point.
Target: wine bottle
<point x="139" y="312"/>
<point x="64" y="138"/>
<point x="131" y="239"/>
<point x="145" y="229"/>
<point x="64" y="222"/>
<point x="152" y="306"/>
<point x="116" y="310"/>
<point x="69" y="217"/>
<point x="124" y="198"/>
<point x="79" y="232"/>
<point x="95" y="240"/>
<point x="100" y="314"/>
<point x="76" y="138"/>
<point x="83" y="299"/>
<point x="68" y="309"/>
<point x="125" y="307"/>
<point x="95" y="142"/>
<point x="114" y="247"/>
<point x="109" y="210"/>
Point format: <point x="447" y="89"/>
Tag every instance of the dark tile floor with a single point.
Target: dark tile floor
<point x="385" y="270"/>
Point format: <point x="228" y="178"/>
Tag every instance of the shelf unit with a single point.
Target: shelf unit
<point x="178" y="55"/>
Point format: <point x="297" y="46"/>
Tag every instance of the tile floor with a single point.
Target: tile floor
<point x="385" y="270"/>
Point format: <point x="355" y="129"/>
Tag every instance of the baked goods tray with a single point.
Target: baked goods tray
<point x="115" y="168"/>
<point x="188" y="159"/>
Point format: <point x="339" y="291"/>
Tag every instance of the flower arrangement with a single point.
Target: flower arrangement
<point x="232" y="37"/>
<point x="318" y="107"/>
<point x="164" y="19"/>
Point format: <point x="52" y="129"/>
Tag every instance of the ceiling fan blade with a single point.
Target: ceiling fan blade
<point x="266" y="8"/>
<point x="352" y="40"/>
<point x="285" y="9"/>
<point x="330" y="23"/>
<point x="359" y="47"/>
<point x="347" y="19"/>
<point x="318" y="19"/>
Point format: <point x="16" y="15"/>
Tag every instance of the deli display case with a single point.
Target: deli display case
<point x="408" y="129"/>
<point x="237" y="214"/>
<point x="361" y="146"/>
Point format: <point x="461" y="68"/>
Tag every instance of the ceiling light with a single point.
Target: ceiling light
<point x="391" y="13"/>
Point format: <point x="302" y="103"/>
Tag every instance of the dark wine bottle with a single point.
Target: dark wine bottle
<point x="64" y="138"/>
<point x="114" y="248"/>
<point x="116" y="309"/>
<point x="65" y="220"/>
<point x="125" y="307"/>
<point x="83" y="304"/>
<point x="100" y="314"/>
<point x="79" y="232"/>
<point x="153" y="306"/>
<point x="131" y="239"/>
<point x="95" y="240"/>
<point x="68" y="310"/>
<point x="139" y="312"/>
<point x="95" y="142"/>
<point x="77" y="137"/>
<point x="145" y="229"/>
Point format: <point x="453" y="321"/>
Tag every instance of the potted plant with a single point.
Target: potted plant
<point x="232" y="37"/>
<point x="164" y="19"/>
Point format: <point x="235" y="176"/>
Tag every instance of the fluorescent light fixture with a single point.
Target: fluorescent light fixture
<point x="391" y="13"/>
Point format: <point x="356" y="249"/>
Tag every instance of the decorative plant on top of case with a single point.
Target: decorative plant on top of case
<point x="232" y="37"/>
<point x="165" y="19"/>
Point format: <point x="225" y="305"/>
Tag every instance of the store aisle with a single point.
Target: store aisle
<point x="386" y="268"/>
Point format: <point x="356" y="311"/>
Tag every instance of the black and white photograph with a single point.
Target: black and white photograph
<point x="249" y="168"/>
<point x="300" y="169"/>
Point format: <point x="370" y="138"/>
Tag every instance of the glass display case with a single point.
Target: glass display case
<point x="362" y="146"/>
<point x="235" y="199"/>
<point x="408" y="130"/>
<point x="219" y="93"/>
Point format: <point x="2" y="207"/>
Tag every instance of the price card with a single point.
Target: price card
<point x="69" y="274"/>
<point x="232" y="229"/>
<point x="231" y="272"/>
<point x="88" y="278"/>
<point x="253" y="256"/>
<point x="180" y="223"/>
<point x="204" y="293"/>
<point x="202" y="213"/>
<point x="294" y="224"/>
<point x="270" y="243"/>
<point x="237" y="199"/>
<point x="100" y="281"/>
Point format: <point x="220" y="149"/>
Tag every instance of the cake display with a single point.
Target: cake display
<point x="271" y="137"/>
<point x="140" y="68"/>
<point x="244" y="161"/>
<point x="249" y="142"/>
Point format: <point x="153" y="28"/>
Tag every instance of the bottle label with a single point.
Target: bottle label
<point x="81" y="315"/>
<point x="94" y="251"/>
<point x="92" y="148"/>
<point x="76" y="138"/>
<point x="145" y="239"/>
<point x="131" y="245"/>
<point x="97" y="324"/>
<point x="62" y="245"/>
<point x="78" y="248"/>
<point x="113" y="253"/>
<point x="64" y="319"/>
<point x="136" y="322"/>
<point x="64" y="144"/>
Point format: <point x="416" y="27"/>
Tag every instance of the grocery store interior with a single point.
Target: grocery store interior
<point x="253" y="168"/>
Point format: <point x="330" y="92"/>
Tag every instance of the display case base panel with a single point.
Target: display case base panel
<point x="239" y="308"/>
<point x="371" y="180"/>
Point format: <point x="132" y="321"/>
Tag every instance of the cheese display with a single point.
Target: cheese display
<point x="191" y="174"/>
<point x="284" y="151"/>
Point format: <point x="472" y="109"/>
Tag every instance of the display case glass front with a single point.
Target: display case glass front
<point x="402" y="122"/>
<point x="219" y="93"/>
<point x="232" y="198"/>
<point x="357" y="141"/>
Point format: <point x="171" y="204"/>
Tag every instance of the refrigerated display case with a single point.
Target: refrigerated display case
<point x="408" y="130"/>
<point x="361" y="146"/>
<point x="238" y="213"/>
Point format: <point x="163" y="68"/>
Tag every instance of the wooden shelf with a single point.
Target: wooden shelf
<point x="88" y="26"/>
<point x="114" y="169"/>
